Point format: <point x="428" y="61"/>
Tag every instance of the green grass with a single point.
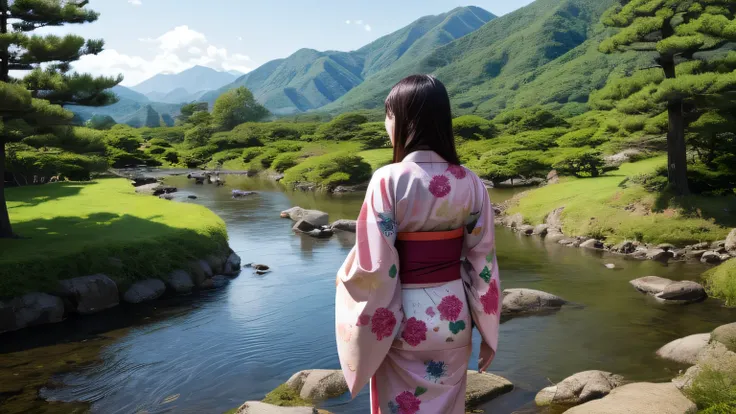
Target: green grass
<point x="721" y="282"/>
<point x="285" y="396"/>
<point x="77" y="229"/>
<point x="600" y="207"/>
<point x="714" y="390"/>
<point x="377" y="158"/>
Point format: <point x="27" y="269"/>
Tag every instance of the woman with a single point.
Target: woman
<point x="406" y="302"/>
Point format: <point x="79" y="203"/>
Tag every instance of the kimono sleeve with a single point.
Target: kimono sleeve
<point x="368" y="309"/>
<point x="482" y="282"/>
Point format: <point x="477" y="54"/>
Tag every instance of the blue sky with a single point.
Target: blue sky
<point x="145" y="37"/>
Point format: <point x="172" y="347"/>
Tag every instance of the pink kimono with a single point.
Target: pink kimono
<point x="413" y="341"/>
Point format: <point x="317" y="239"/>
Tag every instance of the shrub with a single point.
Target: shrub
<point x="579" y="163"/>
<point x="285" y="161"/>
<point x="473" y="127"/>
<point x="100" y="122"/>
<point x="268" y="156"/>
<point x="539" y="140"/>
<point x="223" y="156"/>
<point x="330" y="170"/>
<point x="343" y="127"/>
<point x="198" y="156"/>
<point x="373" y="135"/>
<point x="585" y="137"/>
<point x="287" y="146"/>
<point x="27" y="162"/>
<point x="230" y="140"/>
<point x="156" y="150"/>
<point x="250" y="153"/>
<point x="658" y="124"/>
<point x="159" y="142"/>
<point x="171" y="156"/>
<point x="173" y="135"/>
<point x="714" y="389"/>
<point x="197" y="136"/>
<point x="528" y="119"/>
<point x="124" y="138"/>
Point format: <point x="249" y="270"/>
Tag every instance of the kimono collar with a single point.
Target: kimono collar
<point x="423" y="157"/>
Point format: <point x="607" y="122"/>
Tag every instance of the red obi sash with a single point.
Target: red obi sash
<point x="429" y="257"/>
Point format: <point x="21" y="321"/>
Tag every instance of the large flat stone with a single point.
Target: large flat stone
<point x="483" y="387"/>
<point x="685" y="350"/>
<point x="90" y="294"/>
<point x="683" y="291"/>
<point x="257" y="407"/>
<point x="579" y="388"/>
<point x="640" y="398"/>
<point x="651" y="284"/>
<point x="525" y="301"/>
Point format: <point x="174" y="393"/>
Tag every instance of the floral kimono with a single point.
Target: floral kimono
<point x="412" y="341"/>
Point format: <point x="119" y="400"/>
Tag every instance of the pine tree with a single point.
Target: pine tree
<point x="676" y="30"/>
<point x="34" y="104"/>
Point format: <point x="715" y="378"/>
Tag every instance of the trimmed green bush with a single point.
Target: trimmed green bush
<point x="285" y="161"/>
<point x="330" y="170"/>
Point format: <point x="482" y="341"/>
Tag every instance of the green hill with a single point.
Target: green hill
<point x="544" y="53"/>
<point x="310" y="79"/>
<point x="131" y="107"/>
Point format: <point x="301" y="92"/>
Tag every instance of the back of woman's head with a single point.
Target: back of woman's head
<point x="420" y="109"/>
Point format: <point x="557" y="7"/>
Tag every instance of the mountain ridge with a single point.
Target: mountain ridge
<point x="196" y="78"/>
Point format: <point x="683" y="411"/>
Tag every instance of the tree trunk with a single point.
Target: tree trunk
<point x="6" y="231"/>
<point x="676" y="149"/>
<point x="4" y="63"/>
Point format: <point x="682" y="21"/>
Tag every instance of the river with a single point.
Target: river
<point x="213" y="351"/>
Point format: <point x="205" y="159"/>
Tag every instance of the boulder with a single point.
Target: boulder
<point x="164" y="189"/>
<point x="216" y="282"/>
<point x="683" y="291"/>
<point x="640" y="253"/>
<point x="201" y="271"/>
<point x="659" y="254"/>
<point x="541" y="230"/>
<point x="553" y="177"/>
<point x="216" y="262"/>
<point x="314" y="217"/>
<point x="730" y="244"/>
<point x="168" y="197"/>
<point x="90" y="294"/>
<point x="592" y="244"/>
<point x="242" y="193"/>
<point x="192" y="197"/>
<point x="148" y="189"/>
<point x="257" y="407"/>
<point x="232" y="265"/>
<point x="726" y="334"/>
<point x="321" y="233"/>
<point x="554" y="235"/>
<point x="141" y="181"/>
<point x="695" y="254"/>
<point x="652" y="285"/>
<point x="700" y="246"/>
<point x="144" y="291"/>
<point x="554" y="219"/>
<point x="179" y="281"/>
<point x="717" y="245"/>
<point x="724" y="257"/>
<point x="570" y="242"/>
<point x="483" y="387"/>
<point x="711" y="257"/>
<point x="318" y="384"/>
<point x="523" y="301"/>
<point x="30" y="310"/>
<point x="715" y="356"/>
<point x="344" y="225"/>
<point x="641" y="397"/>
<point x="625" y="247"/>
<point x="579" y="388"/>
<point x="514" y="221"/>
<point x="685" y="350"/>
<point x="302" y="226"/>
<point x="526" y="229"/>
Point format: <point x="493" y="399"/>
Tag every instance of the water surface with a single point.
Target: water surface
<point x="212" y="352"/>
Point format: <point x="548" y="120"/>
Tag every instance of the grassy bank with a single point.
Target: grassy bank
<point x="78" y="229"/>
<point x="616" y="207"/>
<point x="721" y="282"/>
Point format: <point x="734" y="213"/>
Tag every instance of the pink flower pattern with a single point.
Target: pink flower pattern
<point x="408" y="403"/>
<point x="383" y="323"/>
<point x="458" y="171"/>
<point x="450" y="308"/>
<point x="439" y="186"/>
<point x="363" y="320"/>
<point x="430" y="312"/>
<point x="490" y="299"/>
<point x="415" y="331"/>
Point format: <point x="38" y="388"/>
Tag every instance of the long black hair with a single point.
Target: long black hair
<point x="420" y="107"/>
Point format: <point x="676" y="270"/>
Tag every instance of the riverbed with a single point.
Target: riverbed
<point x="212" y="351"/>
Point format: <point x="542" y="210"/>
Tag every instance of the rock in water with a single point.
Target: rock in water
<point x="260" y="267"/>
<point x="541" y="230"/>
<point x="144" y="291"/>
<point x="524" y="301"/>
<point x="683" y="291"/>
<point x="685" y="350"/>
<point x="179" y="281"/>
<point x="592" y="244"/>
<point x="610" y="266"/>
<point x="257" y="407"/>
<point x="344" y="225"/>
<point x="485" y="387"/>
<point x="232" y="265"/>
<point x="90" y="294"/>
<point x="652" y="285"/>
<point x="579" y="388"/>
<point x="200" y="271"/>
<point x="641" y="397"/>
<point x="711" y="257"/>
<point x="514" y="221"/>
<point x="242" y="193"/>
<point x="314" y="217"/>
<point x="30" y="310"/>
<point x="318" y="384"/>
<point x="659" y="254"/>
<point x="626" y="247"/>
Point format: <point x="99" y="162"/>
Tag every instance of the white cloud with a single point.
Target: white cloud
<point x="175" y="51"/>
<point x="240" y="38"/>
<point x="347" y="21"/>
<point x="135" y="2"/>
<point x="358" y="22"/>
<point x="367" y="28"/>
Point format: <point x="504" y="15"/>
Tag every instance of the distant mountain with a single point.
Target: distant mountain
<point x="310" y="79"/>
<point x="132" y="108"/>
<point x="236" y="73"/>
<point x="196" y="78"/>
<point x="177" y="96"/>
<point x="544" y="53"/>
